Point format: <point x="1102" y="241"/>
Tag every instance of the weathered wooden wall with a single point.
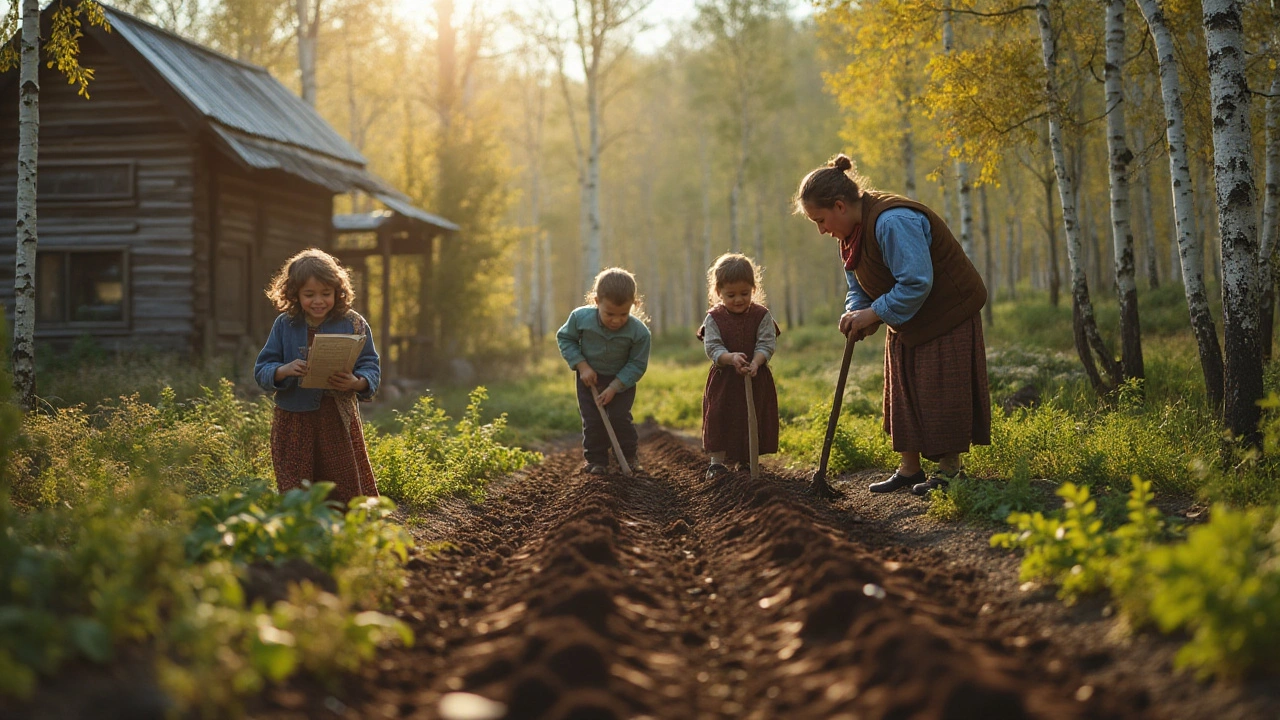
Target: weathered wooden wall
<point x="121" y="122"/>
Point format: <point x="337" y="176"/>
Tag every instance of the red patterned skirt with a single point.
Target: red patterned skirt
<point x="318" y="446"/>
<point x="936" y="400"/>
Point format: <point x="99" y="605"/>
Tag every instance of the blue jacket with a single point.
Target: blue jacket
<point x="290" y="333"/>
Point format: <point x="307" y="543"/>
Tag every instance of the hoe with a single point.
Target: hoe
<point x="818" y="484"/>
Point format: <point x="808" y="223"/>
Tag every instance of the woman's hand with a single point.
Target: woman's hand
<point x="751" y="369"/>
<point x="297" y="368"/>
<point x="346" y="382"/>
<point x="855" y="321"/>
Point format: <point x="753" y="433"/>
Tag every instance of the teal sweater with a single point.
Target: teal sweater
<point x="623" y="353"/>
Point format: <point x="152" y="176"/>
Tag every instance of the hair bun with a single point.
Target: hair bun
<point x="841" y="162"/>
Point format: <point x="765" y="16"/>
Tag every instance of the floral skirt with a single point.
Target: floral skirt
<point x="318" y="446"/>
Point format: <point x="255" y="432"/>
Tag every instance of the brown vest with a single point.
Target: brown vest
<point x="958" y="292"/>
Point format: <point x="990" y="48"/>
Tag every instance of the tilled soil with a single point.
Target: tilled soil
<point x="670" y="596"/>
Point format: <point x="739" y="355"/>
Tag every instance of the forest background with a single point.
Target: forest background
<point x="623" y="136"/>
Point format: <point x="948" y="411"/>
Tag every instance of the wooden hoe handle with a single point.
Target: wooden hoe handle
<point x="613" y="437"/>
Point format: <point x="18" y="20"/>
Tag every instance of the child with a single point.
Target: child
<point x="316" y="434"/>
<point x="739" y="336"/>
<point x="608" y="346"/>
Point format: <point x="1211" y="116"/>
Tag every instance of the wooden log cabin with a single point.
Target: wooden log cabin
<point x="168" y="198"/>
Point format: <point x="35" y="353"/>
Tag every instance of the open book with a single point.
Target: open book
<point x="331" y="353"/>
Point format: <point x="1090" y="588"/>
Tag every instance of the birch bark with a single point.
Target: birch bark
<point x="1190" y="258"/>
<point x="1121" y="232"/>
<point x="24" y="290"/>
<point x="1237" y="215"/>
<point x="1087" y="338"/>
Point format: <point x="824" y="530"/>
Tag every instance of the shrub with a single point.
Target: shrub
<point x="1070" y="548"/>
<point x="859" y="443"/>
<point x="428" y="460"/>
<point x="1223" y="587"/>
<point x="203" y="446"/>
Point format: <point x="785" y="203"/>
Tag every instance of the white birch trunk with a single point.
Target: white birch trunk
<point x="548" y="297"/>
<point x="308" y="38"/>
<point x="1270" y="238"/>
<point x="1085" y="325"/>
<point x="24" y="289"/>
<point x="908" y="148"/>
<point x="1237" y="215"/>
<point x="964" y="188"/>
<point x="988" y="259"/>
<point x="591" y="253"/>
<point x="1148" y="216"/>
<point x="1190" y="258"/>
<point x="706" y="201"/>
<point x="1121" y="232"/>
<point x="759" y="233"/>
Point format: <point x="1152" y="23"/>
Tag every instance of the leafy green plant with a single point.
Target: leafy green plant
<point x="1071" y="548"/>
<point x="359" y="548"/>
<point x="427" y="459"/>
<point x="985" y="500"/>
<point x="859" y="442"/>
<point x="1222" y="586"/>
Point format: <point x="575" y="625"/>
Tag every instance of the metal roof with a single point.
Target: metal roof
<point x="372" y="221"/>
<point x="257" y="118"/>
<point x="230" y="92"/>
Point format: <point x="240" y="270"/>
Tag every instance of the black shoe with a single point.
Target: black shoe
<point x="597" y="469"/>
<point x="634" y="464"/>
<point x="939" y="481"/>
<point x="715" y="470"/>
<point x="897" y="481"/>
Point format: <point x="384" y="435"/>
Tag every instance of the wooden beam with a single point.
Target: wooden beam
<point x="384" y="339"/>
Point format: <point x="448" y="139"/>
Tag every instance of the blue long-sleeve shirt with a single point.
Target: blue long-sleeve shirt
<point x="904" y="238"/>
<point x="623" y="353"/>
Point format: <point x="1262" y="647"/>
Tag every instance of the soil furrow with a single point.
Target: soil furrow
<point x="669" y="596"/>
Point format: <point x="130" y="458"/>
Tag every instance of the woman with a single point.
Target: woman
<point x="905" y="269"/>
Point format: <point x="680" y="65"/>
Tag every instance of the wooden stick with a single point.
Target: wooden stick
<point x="613" y="438"/>
<point x="753" y="441"/>
<point x="819" y="483"/>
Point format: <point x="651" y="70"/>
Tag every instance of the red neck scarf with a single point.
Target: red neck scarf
<point x="851" y="248"/>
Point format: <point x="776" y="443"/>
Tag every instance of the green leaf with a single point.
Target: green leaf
<point x="91" y="638"/>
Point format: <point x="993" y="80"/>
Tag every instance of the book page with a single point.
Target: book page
<point x="331" y="353"/>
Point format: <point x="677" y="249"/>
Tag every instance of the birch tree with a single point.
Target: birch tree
<point x="1270" y="238"/>
<point x="964" y="189"/>
<point x="1189" y="254"/>
<point x="62" y="51"/>
<point x="743" y="67"/>
<point x="598" y="39"/>
<point x="307" y="28"/>
<point x="1122" y="234"/>
<point x="1237" y="215"/>
<point x="1088" y="340"/>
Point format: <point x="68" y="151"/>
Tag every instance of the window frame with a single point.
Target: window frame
<point x="65" y="328"/>
<point x="97" y="200"/>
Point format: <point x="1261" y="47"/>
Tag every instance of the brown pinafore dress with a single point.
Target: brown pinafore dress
<point x="724" y="402"/>
<point x="323" y="445"/>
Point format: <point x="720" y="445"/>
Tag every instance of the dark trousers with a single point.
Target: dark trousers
<point x="595" y="438"/>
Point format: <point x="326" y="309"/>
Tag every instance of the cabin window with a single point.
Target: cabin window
<point x="86" y="182"/>
<point x="81" y="288"/>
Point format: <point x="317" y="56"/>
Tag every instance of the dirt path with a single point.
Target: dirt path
<point x="666" y="596"/>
